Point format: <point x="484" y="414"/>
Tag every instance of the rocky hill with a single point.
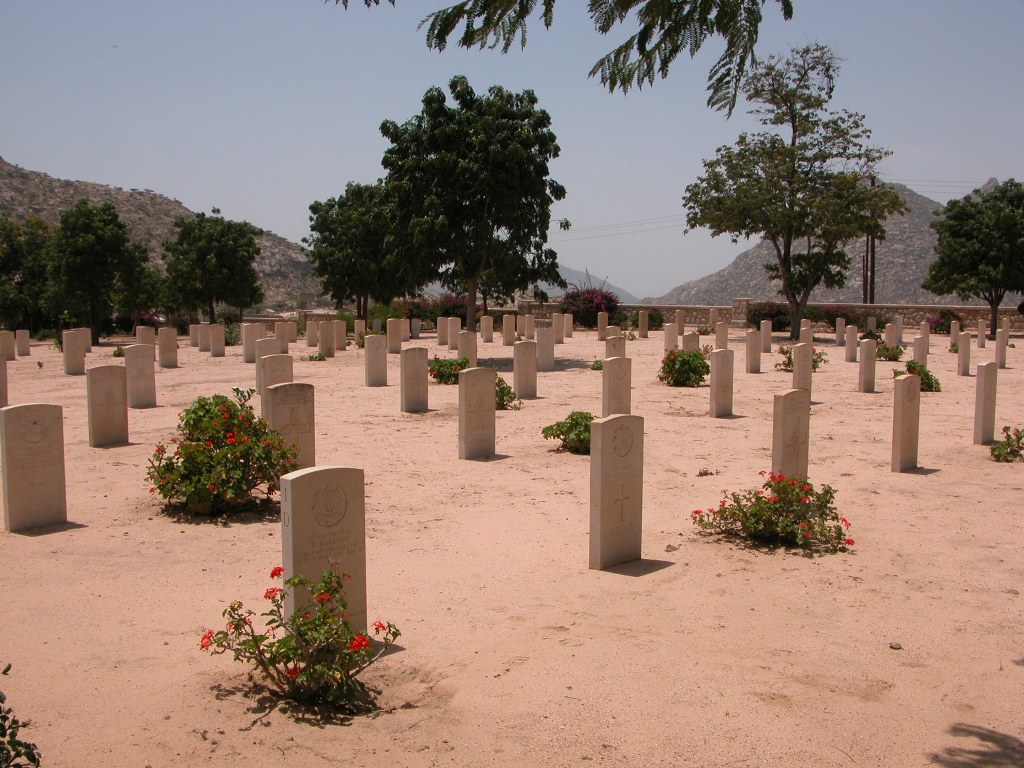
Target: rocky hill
<point x="286" y="275"/>
<point x="901" y="265"/>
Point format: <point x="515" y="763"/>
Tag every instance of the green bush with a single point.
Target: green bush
<point x="928" y="381"/>
<point x="871" y="335"/>
<point x="597" y="365"/>
<point x="504" y="396"/>
<point x="446" y="371"/>
<point x="118" y="351"/>
<point x="785" y="510"/>
<point x="573" y="431"/>
<point x="1011" y="447"/>
<point x="222" y="452"/>
<point x="233" y="334"/>
<point x="940" y="323"/>
<point x="683" y="369"/>
<point x="12" y="749"/>
<point x="770" y="310"/>
<point x="385" y="312"/>
<point x="892" y="354"/>
<point x="655" y="319"/>
<point x="786" y="364"/>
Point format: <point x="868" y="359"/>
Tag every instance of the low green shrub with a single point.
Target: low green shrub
<point x="597" y="365"/>
<point x="504" y="396"/>
<point x="871" y="335"/>
<point x="818" y="357"/>
<point x="573" y="431"/>
<point x="655" y="319"/>
<point x="928" y="381"/>
<point x="1011" y="447"/>
<point x="446" y="371"/>
<point x="233" y="334"/>
<point x="683" y="369"/>
<point x="12" y="749"/>
<point x="118" y="351"/>
<point x="892" y="354"/>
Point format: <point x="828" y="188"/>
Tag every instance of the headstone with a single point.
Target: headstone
<point x="851" y="343"/>
<point x="376" y="325"/>
<point x="4" y="401"/>
<point x="866" y="369"/>
<point x="167" y="347"/>
<point x="250" y="334"/>
<point x="643" y="323"/>
<point x="217" y="340"/>
<point x="602" y="326"/>
<point x="138" y="363"/>
<point x="806" y="332"/>
<point x="791" y="426"/>
<point x="86" y="334"/>
<point x="376" y="362"/>
<point x="73" y="351"/>
<point x="545" y="349"/>
<point x="476" y="413"/>
<point x="803" y="355"/>
<point x="616" y="490"/>
<point x="414" y="328"/>
<point x="23" y="342"/>
<point x="671" y="336"/>
<point x="531" y="327"/>
<point x="1004" y="324"/>
<point x="454" y="329"/>
<point x="268" y="345"/>
<point x="325" y="339"/>
<point x="340" y="335"/>
<point x="7" y="345"/>
<point x="615" y="346"/>
<point x="394" y="337"/>
<point x="521" y="326"/>
<point x="982" y="333"/>
<point x="406" y="329"/>
<point x="466" y="341"/>
<point x="713" y="317"/>
<point x="898" y="322"/>
<point x="681" y="320"/>
<point x="985" y="404"/>
<point x="921" y="350"/>
<point x="568" y="325"/>
<point x="281" y="334"/>
<point x="274" y="369"/>
<point x="106" y="395"/>
<point x="487" y="329"/>
<point x="508" y="330"/>
<point x="766" y="335"/>
<point x="722" y="336"/>
<point x="964" y="354"/>
<point x="293" y="330"/>
<point x="890" y="335"/>
<point x="193" y="335"/>
<point x="616" y="380"/>
<point x="145" y="334"/>
<point x="721" y="383"/>
<point x="414" y="374"/>
<point x="558" y="327"/>
<point x="323" y="525"/>
<point x="312" y="333"/>
<point x="753" y="351"/>
<point x="358" y="331"/>
<point x="204" y="337"/>
<point x="906" y="415"/>
<point x="954" y="330"/>
<point x="289" y="408"/>
<point x="873" y="323"/>
<point x="32" y="466"/>
<point x="840" y="332"/>
<point x="926" y="330"/>
<point x="691" y="342"/>
<point x="1002" y="342"/>
<point x="524" y="369"/>
<point x="612" y="330"/>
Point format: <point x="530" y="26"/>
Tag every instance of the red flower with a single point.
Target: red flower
<point x="293" y="672"/>
<point x="379" y="626"/>
<point x="803" y="499"/>
<point x="153" y="489"/>
<point x="212" y="487"/>
<point x="845" y="522"/>
<point x="272" y="593"/>
<point x="850" y="542"/>
<point x="230" y="434"/>
<point x="276" y="571"/>
<point x="209" y="444"/>
<point x="805" y="487"/>
<point x="323" y="597"/>
<point x="207" y="640"/>
<point x="232" y="440"/>
<point x="359" y="643"/>
<point x="245" y="440"/>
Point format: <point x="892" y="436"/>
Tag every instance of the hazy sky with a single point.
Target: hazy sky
<point x="260" y="107"/>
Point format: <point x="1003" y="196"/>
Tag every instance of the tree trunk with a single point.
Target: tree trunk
<point x="213" y="318"/>
<point x="993" y="323"/>
<point x="471" y="305"/>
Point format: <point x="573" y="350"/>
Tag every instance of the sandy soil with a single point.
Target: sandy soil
<point x="705" y="653"/>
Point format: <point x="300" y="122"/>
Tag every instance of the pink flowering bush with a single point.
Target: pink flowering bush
<point x="312" y="656"/>
<point x="785" y="510"/>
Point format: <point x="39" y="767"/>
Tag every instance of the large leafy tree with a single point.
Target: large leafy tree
<point x="92" y="256"/>
<point x="666" y="28"/>
<point x="354" y="249"/>
<point x="211" y="261"/>
<point x="799" y="184"/>
<point x="25" y="251"/>
<point x="981" y="246"/>
<point x="472" y="190"/>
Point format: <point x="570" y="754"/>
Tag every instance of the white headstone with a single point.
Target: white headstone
<point x="414" y="367"/>
<point x="905" y="422"/>
<point x="643" y="323"/>
<point x="4" y="402"/>
<point x="964" y="354"/>
<point x="394" y="336"/>
<point x="476" y="413"/>
<point x="376" y="363"/>
<point x="454" y="329"/>
<point x="985" y="404"/>
<point x="558" y="327"/>
<point x="568" y="324"/>
<point x="766" y="335"/>
<point x="753" y="351"/>
<point x="467" y="346"/>
<point x="106" y="395"/>
<point x="921" y="349"/>
<point x="487" y="329"/>
<point x="530" y="324"/>
<point x="851" y="343"/>
<point x="290" y="409"/>
<point x="250" y="333"/>
<point x="32" y="466"/>
<point x="23" y="342"/>
<point x="691" y="342"/>
<point x="722" y="335"/>
<point x="545" y="338"/>
<point x="7" y="345"/>
<point x="217" y="340"/>
<point x="73" y="351"/>
<point x="204" y="337"/>
<point x="671" y="336"/>
<point x="508" y="330"/>
<point x="274" y="369"/>
<point x="721" y="383"/>
<point x="524" y="369"/>
<point x="982" y="333"/>
<point x="1002" y="342"/>
<point x="803" y="355"/>
<point x="340" y="335"/>
<point x="615" y="346"/>
<point x="312" y="333"/>
<point x="167" y="347"/>
<point x="840" y="332"/>
<point x="138" y="363"/>
<point x="325" y="339"/>
<point x="602" y="326"/>
<point x="866" y="369"/>
<point x="616" y="490"/>
<point x="616" y="378"/>
<point x="791" y="424"/>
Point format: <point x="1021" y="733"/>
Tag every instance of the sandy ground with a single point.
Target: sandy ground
<point x="513" y="653"/>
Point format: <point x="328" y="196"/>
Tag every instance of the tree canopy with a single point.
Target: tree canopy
<point x="981" y="246"/>
<point x="665" y="30"/>
<point x="800" y="185"/>
<point x="472" y="194"/>
<point x="25" y="252"/>
<point x="213" y="260"/>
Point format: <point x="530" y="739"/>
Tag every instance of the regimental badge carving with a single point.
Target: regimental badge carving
<point x="330" y="504"/>
<point x="622" y="440"/>
<point x="34" y="431"/>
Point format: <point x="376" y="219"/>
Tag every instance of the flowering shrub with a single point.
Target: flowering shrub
<point x="928" y="381"/>
<point x="585" y="303"/>
<point x="504" y="396"/>
<point x="573" y="431"/>
<point x="777" y="313"/>
<point x="683" y="369"/>
<point x="1011" y="447"/>
<point x="12" y="749"/>
<point x="706" y="350"/>
<point x="221" y="453"/>
<point x="786" y="364"/>
<point x="447" y="371"/>
<point x="892" y="353"/>
<point x="785" y="510"/>
<point x="312" y="656"/>
<point x="940" y="323"/>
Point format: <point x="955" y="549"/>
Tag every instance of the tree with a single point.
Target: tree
<point x="981" y="246"/>
<point x="91" y="257"/>
<point x="25" y="252"/>
<point x="354" y="249"/>
<point x="142" y="288"/>
<point x="666" y="29"/>
<point x="801" y="187"/>
<point x="213" y="260"/>
<point x="471" y="187"/>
